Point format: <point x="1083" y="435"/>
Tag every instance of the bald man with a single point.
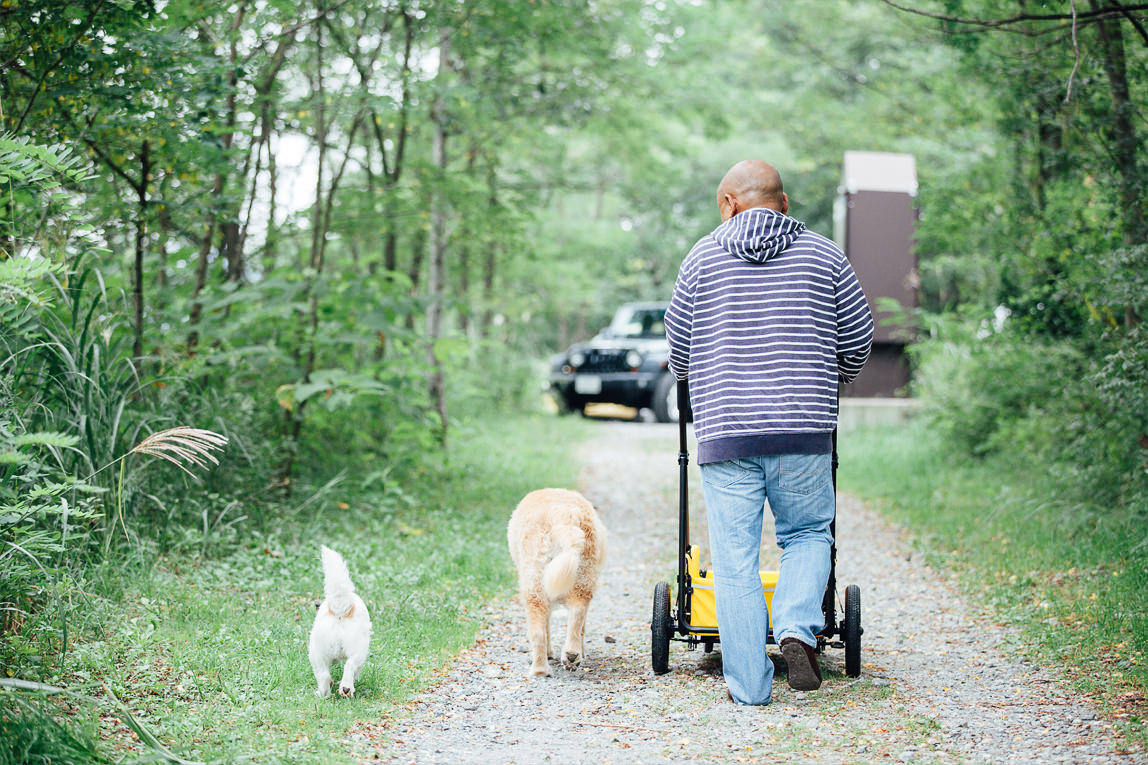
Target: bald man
<point x="766" y="318"/>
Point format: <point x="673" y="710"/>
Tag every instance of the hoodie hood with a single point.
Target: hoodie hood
<point x="757" y="234"/>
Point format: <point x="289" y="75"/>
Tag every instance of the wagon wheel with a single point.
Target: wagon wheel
<point x="660" y="630"/>
<point x="852" y="630"/>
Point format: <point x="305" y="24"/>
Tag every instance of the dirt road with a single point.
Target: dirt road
<point x="941" y="681"/>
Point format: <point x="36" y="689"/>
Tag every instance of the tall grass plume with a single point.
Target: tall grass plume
<point x="183" y="446"/>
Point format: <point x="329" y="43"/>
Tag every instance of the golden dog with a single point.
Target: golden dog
<point x="558" y="544"/>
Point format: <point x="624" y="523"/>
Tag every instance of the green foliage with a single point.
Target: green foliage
<point x="1120" y="279"/>
<point x="1100" y="437"/>
<point x="44" y="514"/>
<point x="494" y="378"/>
<point x="337" y="386"/>
<point x="22" y="284"/>
<point x="1056" y="379"/>
<point x="23" y="163"/>
<point x="28" y="712"/>
<point x="981" y="385"/>
<point x="1076" y="413"/>
<point x="31" y="732"/>
<point x="1119" y="384"/>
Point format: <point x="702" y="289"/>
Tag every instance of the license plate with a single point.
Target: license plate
<point x="587" y="385"/>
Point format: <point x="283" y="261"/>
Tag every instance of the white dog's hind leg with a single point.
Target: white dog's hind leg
<point x="351" y="671"/>
<point x="322" y="670"/>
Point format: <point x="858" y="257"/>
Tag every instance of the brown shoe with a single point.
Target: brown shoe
<point x="804" y="673"/>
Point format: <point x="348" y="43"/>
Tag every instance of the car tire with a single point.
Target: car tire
<point x="666" y="406"/>
<point x="567" y="404"/>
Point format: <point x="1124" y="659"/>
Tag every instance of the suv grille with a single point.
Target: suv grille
<point x="603" y="361"/>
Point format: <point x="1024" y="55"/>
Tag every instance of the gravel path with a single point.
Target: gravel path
<point x="941" y="681"/>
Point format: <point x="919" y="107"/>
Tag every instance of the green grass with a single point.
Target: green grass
<point x="31" y="732"/>
<point x="211" y="654"/>
<point x="1072" y="576"/>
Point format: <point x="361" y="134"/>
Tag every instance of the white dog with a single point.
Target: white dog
<point x="558" y="544"/>
<point x="342" y="629"/>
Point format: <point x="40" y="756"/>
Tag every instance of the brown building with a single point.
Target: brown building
<point x="873" y="222"/>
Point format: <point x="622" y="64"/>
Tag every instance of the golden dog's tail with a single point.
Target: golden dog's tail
<point x="559" y="575"/>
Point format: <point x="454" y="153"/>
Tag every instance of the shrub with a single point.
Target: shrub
<point x="984" y="390"/>
<point x="1074" y="409"/>
<point x="30" y="732"/>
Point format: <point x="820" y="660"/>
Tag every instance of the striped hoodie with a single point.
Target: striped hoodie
<point x="766" y="317"/>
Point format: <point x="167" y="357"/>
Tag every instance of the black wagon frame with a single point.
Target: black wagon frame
<point x="673" y="624"/>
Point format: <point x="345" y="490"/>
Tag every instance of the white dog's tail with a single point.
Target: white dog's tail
<point x="559" y="575"/>
<point x="337" y="587"/>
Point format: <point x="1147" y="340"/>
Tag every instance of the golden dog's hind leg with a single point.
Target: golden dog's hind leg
<point x="549" y="650"/>
<point x="575" y="647"/>
<point x="538" y="627"/>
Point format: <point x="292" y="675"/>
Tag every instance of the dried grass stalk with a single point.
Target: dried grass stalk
<point x="183" y="446"/>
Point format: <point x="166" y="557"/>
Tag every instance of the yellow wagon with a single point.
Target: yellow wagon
<point x="692" y="617"/>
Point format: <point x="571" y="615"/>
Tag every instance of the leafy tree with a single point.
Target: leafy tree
<point x="1066" y="84"/>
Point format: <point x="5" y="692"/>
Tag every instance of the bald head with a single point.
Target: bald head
<point x="750" y="183"/>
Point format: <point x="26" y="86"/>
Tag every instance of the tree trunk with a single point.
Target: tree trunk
<point x="217" y="201"/>
<point x="322" y="212"/>
<point x="415" y="269"/>
<point x="264" y="88"/>
<point x="563" y="332"/>
<point x="464" y="306"/>
<point x="318" y="235"/>
<point x="372" y="211"/>
<point x="264" y="141"/>
<point x="163" y="236"/>
<point x="393" y="170"/>
<point x="1125" y="142"/>
<point x="390" y="249"/>
<point x="436" y="271"/>
<point x="141" y="244"/>
<point x="271" y="243"/>
<point x="232" y="249"/>
<point x="294" y="417"/>
<point x="229" y="228"/>
<point x="201" y="271"/>
<point x="491" y="256"/>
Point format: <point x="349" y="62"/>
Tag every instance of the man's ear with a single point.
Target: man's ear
<point x="730" y="205"/>
<point x="784" y="203"/>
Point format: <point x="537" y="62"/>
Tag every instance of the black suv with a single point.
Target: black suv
<point x="626" y="363"/>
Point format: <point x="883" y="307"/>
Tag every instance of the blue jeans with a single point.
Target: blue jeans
<point x="799" y="488"/>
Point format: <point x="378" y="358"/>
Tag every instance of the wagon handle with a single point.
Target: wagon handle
<point x="683" y="504"/>
<point x="829" y="602"/>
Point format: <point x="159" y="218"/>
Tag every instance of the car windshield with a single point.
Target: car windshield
<point x="639" y="322"/>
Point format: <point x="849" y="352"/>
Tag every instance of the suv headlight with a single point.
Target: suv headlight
<point x="633" y="359"/>
<point x="577" y="358"/>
